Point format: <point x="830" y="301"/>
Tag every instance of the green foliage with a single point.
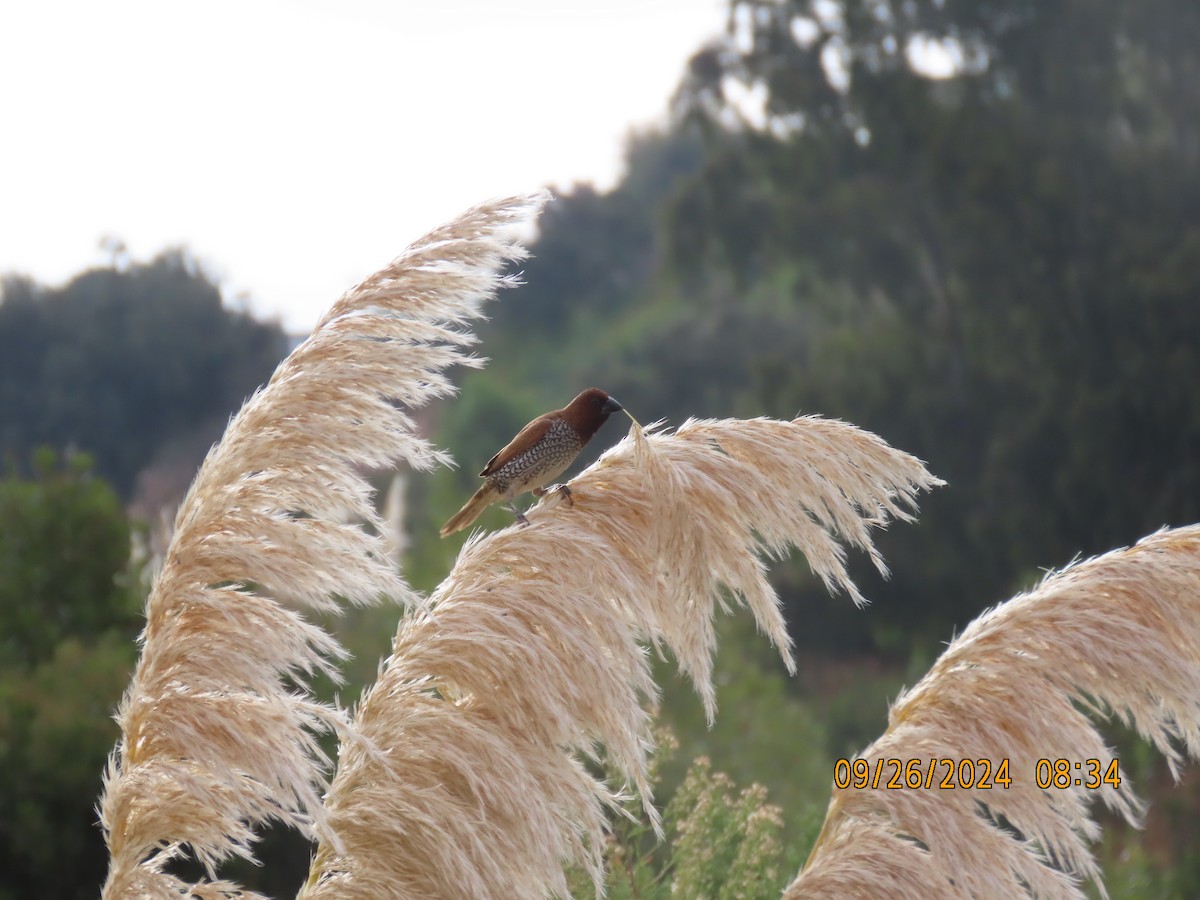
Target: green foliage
<point x="64" y="543"/>
<point x="720" y="843"/>
<point x="762" y="734"/>
<point x="1158" y="859"/>
<point x="727" y="842"/>
<point x="69" y="608"/>
<point x="56" y="730"/>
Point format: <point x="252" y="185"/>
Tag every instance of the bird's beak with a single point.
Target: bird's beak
<point x="611" y="406"/>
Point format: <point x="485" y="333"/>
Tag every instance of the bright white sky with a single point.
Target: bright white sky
<point x="298" y="145"/>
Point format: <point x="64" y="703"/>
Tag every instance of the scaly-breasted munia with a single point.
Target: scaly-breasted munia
<point x="538" y="454"/>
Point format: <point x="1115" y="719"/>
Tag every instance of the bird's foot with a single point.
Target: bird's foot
<point x="560" y="488"/>
<point x="520" y="515"/>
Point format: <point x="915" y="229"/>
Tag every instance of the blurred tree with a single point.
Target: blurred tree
<point x="116" y="362"/>
<point x="596" y="252"/>
<point x="56" y="731"/>
<point x="1000" y="264"/>
<point x="63" y="541"/>
<point x="69" y="609"/>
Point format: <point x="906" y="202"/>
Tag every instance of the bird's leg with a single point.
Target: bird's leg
<point x="516" y="512"/>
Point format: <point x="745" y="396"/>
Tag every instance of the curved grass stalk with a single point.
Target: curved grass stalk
<point x="218" y="728"/>
<point x="1117" y="634"/>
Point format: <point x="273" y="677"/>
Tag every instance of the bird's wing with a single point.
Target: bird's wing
<point x="526" y="438"/>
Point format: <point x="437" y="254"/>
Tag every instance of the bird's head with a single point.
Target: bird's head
<point x="591" y="409"/>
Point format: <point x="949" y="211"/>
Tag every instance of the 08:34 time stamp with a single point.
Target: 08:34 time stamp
<point x="970" y="774"/>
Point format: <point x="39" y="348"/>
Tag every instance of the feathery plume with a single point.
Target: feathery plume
<point x="1117" y="634"/>
<point x="217" y="724"/>
<point x="471" y="779"/>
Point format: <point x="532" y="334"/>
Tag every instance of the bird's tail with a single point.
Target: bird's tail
<point x="484" y="497"/>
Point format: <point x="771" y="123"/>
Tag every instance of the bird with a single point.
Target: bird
<point x="540" y="452"/>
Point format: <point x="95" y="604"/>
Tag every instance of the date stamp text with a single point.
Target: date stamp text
<point x="971" y="774"/>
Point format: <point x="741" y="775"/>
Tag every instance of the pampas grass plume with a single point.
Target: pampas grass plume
<point x="218" y="728"/>
<point x="529" y="658"/>
<point x="1115" y="635"/>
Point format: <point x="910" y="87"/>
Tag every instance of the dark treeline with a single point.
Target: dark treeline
<point x="997" y="270"/>
<point x="122" y="361"/>
<point x="1002" y="269"/>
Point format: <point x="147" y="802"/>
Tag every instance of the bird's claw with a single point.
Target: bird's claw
<point x="524" y="522"/>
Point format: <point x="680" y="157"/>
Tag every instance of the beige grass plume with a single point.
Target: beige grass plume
<point x="529" y="658"/>
<point x="217" y="727"/>
<point x="1116" y="634"/>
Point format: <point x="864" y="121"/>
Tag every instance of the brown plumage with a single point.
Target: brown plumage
<point x="539" y="453"/>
